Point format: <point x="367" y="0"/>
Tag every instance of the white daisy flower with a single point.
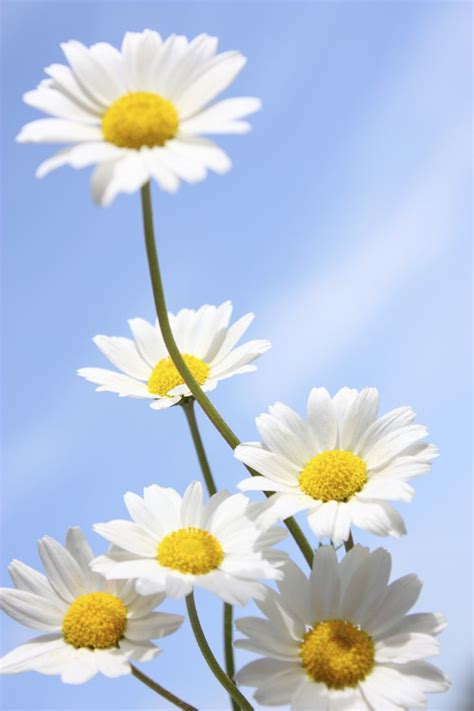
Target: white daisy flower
<point x="207" y="344"/>
<point x="139" y="113"/>
<point x="343" y="464"/>
<point x="176" y="543"/>
<point x="91" y="625"/>
<point x="342" y="640"/>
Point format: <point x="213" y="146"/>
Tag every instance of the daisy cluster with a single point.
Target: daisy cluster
<point x="337" y="637"/>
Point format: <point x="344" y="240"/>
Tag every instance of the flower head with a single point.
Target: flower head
<point x="343" y="638"/>
<point x="207" y="344"/>
<point x="139" y="113"/>
<point x="343" y="464"/>
<point x="92" y="625"/>
<point x="176" y="543"/>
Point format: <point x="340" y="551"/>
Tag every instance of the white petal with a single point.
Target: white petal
<point x="192" y="505"/>
<point x="93" y="74"/>
<point x="30" y="580"/>
<point x="393" y="444"/>
<point x="222" y="117"/>
<point x="57" y="103"/>
<point x="65" y="81"/>
<point x="142" y="516"/>
<point x="112" y="382"/>
<point x="399" y="597"/>
<point x="128" y="174"/>
<point x="165" y="504"/>
<point x="28" y="656"/>
<point x="81" y="667"/>
<point x="111" y="662"/>
<point x="377" y="517"/>
<point x="310" y="696"/>
<point x="366" y="587"/>
<point x="423" y="622"/>
<point x="64" y="573"/>
<point x="393" y="420"/>
<point x="407" y="647"/>
<point x="268" y="464"/>
<point x="322" y="518"/>
<point x="428" y="677"/>
<point x="221" y="71"/>
<point x="51" y="130"/>
<point x="388" y="489"/>
<point x="153" y="626"/>
<point x="149" y="341"/>
<point x="141" y="652"/>
<point x="140" y="51"/>
<point x="31" y="610"/>
<point x="206" y="153"/>
<point x="231" y="336"/>
<point x="387" y="689"/>
<point x="284" y="441"/>
<point x="322" y="420"/>
<point x="123" y="353"/>
<point x="359" y="416"/>
<point x="325" y="584"/>
<point x="78" y="546"/>
<point x="129" y="536"/>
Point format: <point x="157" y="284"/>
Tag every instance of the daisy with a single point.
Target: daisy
<point x="91" y="625"/>
<point x="342" y="640"/>
<point x="176" y="543"/>
<point x="139" y="112"/>
<point x="206" y="342"/>
<point x="343" y="464"/>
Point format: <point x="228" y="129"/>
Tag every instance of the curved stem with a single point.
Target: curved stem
<point x="162" y="313"/>
<point x="212" y="662"/>
<point x="188" y="408"/>
<point x="161" y="690"/>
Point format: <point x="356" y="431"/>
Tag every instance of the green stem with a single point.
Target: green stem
<point x="165" y="327"/>
<point x="188" y="407"/>
<point x="228" y="647"/>
<point x="219" y="673"/>
<point x="349" y="544"/>
<point x="161" y="690"/>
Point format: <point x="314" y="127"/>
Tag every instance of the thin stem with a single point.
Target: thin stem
<point x="188" y="408"/>
<point x="228" y="646"/>
<point x="161" y="690"/>
<point x="349" y="544"/>
<point x="163" y="320"/>
<point x="212" y="662"/>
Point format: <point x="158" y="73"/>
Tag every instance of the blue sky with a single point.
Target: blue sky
<point x="344" y="225"/>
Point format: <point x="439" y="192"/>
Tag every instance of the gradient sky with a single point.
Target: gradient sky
<point x="344" y="225"/>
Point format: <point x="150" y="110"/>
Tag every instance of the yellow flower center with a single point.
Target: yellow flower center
<point x="165" y="376"/>
<point x="337" y="653"/>
<point x="335" y="475"/>
<point x="190" y="550"/>
<point x="96" y="620"/>
<point x="138" y="119"/>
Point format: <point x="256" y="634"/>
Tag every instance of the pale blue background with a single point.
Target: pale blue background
<point x="344" y="225"/>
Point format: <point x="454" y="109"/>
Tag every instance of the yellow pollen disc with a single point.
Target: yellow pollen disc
<point x="140" y="119"/>
<point x="96" y="620"/>
<point x="190" y="550"/>
<point x="335" y="475"/>
<point x="337" y="653"/>
<point x="165" y="376"/>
